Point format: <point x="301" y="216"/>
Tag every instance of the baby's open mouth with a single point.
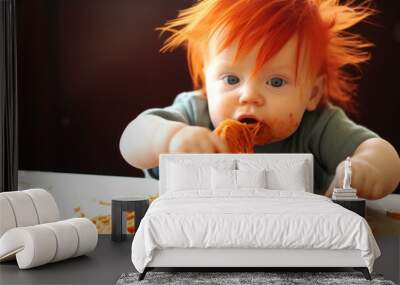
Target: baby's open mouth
<point x="248" y="120"/>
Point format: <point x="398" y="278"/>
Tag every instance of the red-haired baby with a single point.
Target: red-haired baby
<point x="279" y="63"/>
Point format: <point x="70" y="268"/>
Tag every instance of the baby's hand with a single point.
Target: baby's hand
<point x="193" y="139"/>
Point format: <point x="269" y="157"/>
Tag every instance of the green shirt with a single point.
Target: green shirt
<point x="326" y="133"/>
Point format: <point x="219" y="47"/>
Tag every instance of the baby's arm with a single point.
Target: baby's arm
<point x="375" y="170"/>
<point x="148" y="135"/>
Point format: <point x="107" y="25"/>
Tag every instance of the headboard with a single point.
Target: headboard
<point x="211" y="159"/>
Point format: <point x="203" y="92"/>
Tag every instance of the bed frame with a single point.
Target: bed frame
<point x="242" y="259"/>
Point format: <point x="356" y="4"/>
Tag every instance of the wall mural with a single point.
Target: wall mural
<point x="85" y="71"/>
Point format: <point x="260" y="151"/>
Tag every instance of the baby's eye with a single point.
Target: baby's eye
<point x="231" y="79"/>
<point x="276" y="82"/>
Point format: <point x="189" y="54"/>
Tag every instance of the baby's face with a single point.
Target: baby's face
<point x="271" y="96"/>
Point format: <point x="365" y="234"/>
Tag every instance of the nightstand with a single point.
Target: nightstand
<point x="357" y="205"/>
<point x="119" y="207"/>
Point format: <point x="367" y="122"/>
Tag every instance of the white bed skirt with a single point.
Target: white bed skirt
<point x="235" y="257"/>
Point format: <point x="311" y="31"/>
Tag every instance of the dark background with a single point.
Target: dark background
<point x="86" y="68"/>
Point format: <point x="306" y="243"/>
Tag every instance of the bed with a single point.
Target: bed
<point x="246" y="211"/>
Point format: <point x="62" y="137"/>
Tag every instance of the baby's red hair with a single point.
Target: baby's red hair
<point x="319" y="24"/>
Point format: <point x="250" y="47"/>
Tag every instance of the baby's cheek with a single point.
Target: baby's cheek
<point x="219" y="110"/>
<point x="284" y="127"/>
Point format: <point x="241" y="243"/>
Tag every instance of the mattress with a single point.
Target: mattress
<point x="251" y="219"/>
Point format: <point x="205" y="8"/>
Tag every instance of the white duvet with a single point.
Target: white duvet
<point x="250" y="219"/>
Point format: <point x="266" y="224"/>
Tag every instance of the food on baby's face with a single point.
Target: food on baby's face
<point x="261" y="132"/>
<point x="241" y="137"/>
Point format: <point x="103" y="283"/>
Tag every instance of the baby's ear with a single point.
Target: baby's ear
<point x="316" y="93"/>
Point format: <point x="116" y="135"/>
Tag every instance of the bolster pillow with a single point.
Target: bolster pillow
<point x="40" y="244"/>
<point x="26" y="208"/>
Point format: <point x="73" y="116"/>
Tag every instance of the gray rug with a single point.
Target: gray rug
<point x="229" y="278"/>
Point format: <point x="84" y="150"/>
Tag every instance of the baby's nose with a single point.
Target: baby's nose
<point x="251" y="96"/>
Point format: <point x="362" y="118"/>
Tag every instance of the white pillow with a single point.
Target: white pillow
<point x="223" y="179"/>
<point x="251" y="178"/>
<point x="227" y="179"/>
<point x="187" y="174"/>
<point x="293" y="179"/>
<point x="186" y="177"/>
<point x="281" y="174"/>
